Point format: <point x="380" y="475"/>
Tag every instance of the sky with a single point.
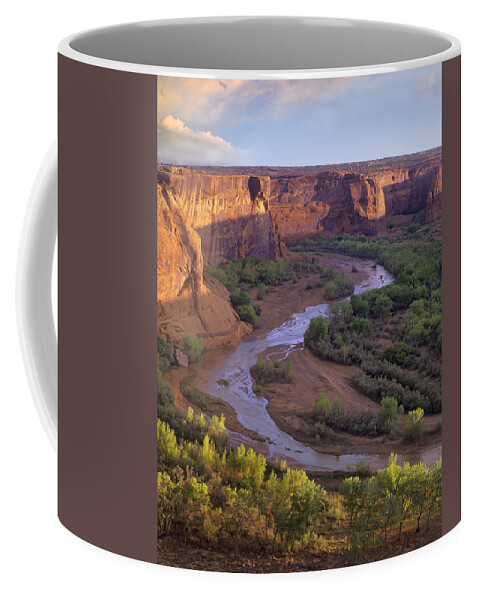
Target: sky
<point x="298" y="122"/>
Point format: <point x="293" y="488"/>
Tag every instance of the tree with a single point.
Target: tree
<point x="362" y="325"/>
<point x="382" y="305"/>
<point x="398" y="353"/>
<point x="331" y="291"/>
<point x="289" y="369"/>
<point x="166" y="502"/>
<point x="193" y="347"/>
<point x="352" y="491"/>
<point x="322" y="407"/>
<point x="318" y="329"/>
<point x="390" y="508"/>
<point x="298" y="502"/>
<point x="247" y="313"/>
<point x="194" y="501"/>
<point x="344" y="309"/>
<point x="167" y="446"/>
<point x="248" y="275"/>
<point x="360" y="306"/>
<point x="239" y="298"/>
<point x="388" y="413"/>
<point x="261" y="291"/>
<point x="414" y="424"/>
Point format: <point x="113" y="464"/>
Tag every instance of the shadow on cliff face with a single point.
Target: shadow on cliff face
<point x="419" y="190"/>
<point x="253" y="235"/>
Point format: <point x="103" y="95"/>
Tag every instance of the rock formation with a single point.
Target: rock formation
<point x="209" y="215"/>
<point x="413" y="190"/>
<point x="229" y="212"/>
<point x="189" y="301"/>
<point x="331" y="201"/>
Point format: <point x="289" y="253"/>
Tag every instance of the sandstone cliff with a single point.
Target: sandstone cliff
<point x="229" y="212"/>
<point x="187" y="300"/>
<point x="331" y="201"/>
<point x="413" y="190"/>
<point x="209" y="215"/>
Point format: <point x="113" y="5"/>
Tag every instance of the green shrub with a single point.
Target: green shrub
<point x="382" y="305"/>
<point x="359" y="305"/>
<point x="260" y="294"/>
<point x="166" y="353"/>
<point x="322" y="407"/>
<point x="239" y="298"/>
<point x="264" y="372"/>
<point x="247" y="313"/>
<point x="317" y="329"/>
<point x="193" y="347"/>
<point x="414" y="423"/>
<point x="361" y="325"/>
<point x="398" y="353"/>
<point x="165" y="396"/>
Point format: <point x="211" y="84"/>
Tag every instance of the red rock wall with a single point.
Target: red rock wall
<point x="209" y="216"/>
<point x="189" y="301"/>
<point x="331" y="201"/>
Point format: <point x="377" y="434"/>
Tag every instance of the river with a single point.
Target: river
<point x="234" y="367"/>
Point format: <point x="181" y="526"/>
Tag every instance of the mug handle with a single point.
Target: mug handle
<point x="35" y="323"/>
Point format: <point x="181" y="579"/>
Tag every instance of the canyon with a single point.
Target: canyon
<point x="209" y="215"/>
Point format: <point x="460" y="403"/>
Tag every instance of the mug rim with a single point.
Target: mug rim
<point x="66" y="49"/>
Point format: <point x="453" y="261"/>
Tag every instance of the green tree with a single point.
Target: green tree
<point x="260" y="294"/>
<point x="388" y="413"/>
<point x="247" y="313"/>
<point x="193" y="347"/>
<point x="398" y="353"/>
<point x="239" y="298"/>
<point x="391" y="509"/>
<point x="322" y="407"/>
<point x="382" y="305"/>
<point x="360" y="306"/>
<point x="289" y="369"/>
<point x="362" y="325"/>
<point x="414" y="423"/>
<point x="300" y="501"/>
<point x="318" y="329"/>
<point x="353" y="496"/>
<point x="331" y="291"/>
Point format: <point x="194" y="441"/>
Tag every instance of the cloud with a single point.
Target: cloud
<point x="235" y="102"/>
<point x="179" y="144"/>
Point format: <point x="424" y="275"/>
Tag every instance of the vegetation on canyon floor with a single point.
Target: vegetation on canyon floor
<point x="216" y="495"/>
<point x="405" y="315"/>
<point x="239" y="275"/>
<point x="225" y="497"/>
<point x="270" y="371"/>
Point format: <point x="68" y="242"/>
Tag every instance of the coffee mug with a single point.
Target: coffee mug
<point x="259" y="291"/>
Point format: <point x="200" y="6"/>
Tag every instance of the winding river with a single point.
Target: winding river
<point x="251" y="410"/>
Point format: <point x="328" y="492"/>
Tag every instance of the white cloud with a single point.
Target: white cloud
<point x="181" y="145"/>
<point x="206" y="101"/>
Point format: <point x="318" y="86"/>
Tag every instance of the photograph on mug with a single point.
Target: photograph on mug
<point x="299" y="260"/>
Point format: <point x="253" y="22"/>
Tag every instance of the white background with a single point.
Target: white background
<point x="39" y="557"/>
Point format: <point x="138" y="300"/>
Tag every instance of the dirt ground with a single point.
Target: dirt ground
<point x="174" y="552"/>
<point x="291" y="406"/>
<point x="283" y="301"/>
<point x="277" y="306"/>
